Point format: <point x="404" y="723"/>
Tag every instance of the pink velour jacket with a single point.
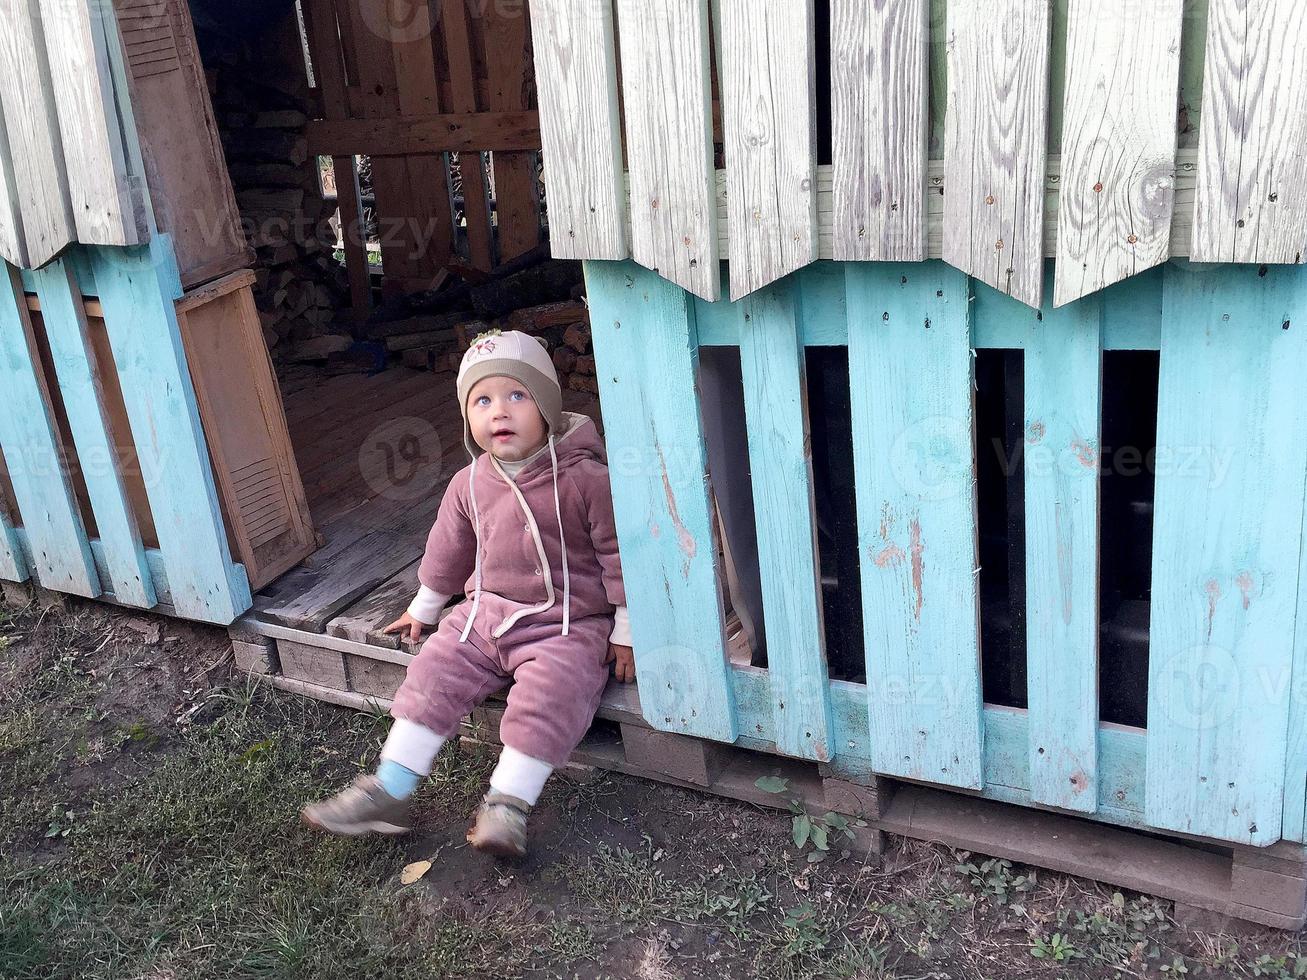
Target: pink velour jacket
<point x="542" y="546"/>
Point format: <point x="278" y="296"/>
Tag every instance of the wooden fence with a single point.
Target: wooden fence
<point x="66" y="173"/>
<point x="408" y="84"/>
<point x="995" y="82"/>
<point x="1225" y="750"/>
<point x="104" y="457"/>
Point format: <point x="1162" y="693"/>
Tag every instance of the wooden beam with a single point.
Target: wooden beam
<point x="449" y="132"/>
<point x="880" y="56"/>
<point x="1118" y="142"/>
<point x="994" y="144"/>
<point x="462" y="78"/>
<point x="768" y="69"/>
<point x="1252" y="183"/>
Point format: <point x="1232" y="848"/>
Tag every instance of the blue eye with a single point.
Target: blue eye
<point x="483" y="400"/>
<point x="518" y="396"/>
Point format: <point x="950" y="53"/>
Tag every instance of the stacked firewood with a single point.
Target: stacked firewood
<point x="300" y="285"/>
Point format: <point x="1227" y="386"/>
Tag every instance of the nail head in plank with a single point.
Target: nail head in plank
<point x="776" y="409"/>
<point x="768" y="68"/>
<point x="910" y="386"/>
<point x="647" y="357"/>
<point x="1251" y="201"/>
<point x="56" y="535"/>
<point x="1063" y="399"/>
<point x="1118" y="142"/>
<point x="879" y="83"/>
<point x="994" y="142"/>
<point x="1226" y="535"/>
<point x="78" y="375"/>
<point x="576" y="74"/>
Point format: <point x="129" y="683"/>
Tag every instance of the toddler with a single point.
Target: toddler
<point x="526" y="532"/>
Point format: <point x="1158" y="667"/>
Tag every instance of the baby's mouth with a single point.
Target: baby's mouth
<point x="503" y="433"/>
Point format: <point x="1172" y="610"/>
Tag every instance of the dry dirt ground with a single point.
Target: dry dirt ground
<point x="148" y="802"/>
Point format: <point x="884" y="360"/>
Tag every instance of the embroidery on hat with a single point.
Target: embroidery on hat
<point x="484" y="343"/>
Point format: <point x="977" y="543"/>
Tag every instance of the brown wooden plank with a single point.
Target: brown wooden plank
<point x="476" y="203"/>
<point x="507" y="40"/>
<point x="364" y="619"/>
<point x="403" y="135"/>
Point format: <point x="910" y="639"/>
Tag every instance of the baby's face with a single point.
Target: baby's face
<point x="504" y="419"/>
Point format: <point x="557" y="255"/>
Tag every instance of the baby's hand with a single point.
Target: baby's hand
<point x="409" y="624"/>
<point x="625" y="658"/>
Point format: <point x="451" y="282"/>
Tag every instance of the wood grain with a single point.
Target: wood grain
<point x="1118" y="142"/>
<point x="910" y="387"/>
<point x="994" y="144"/>
<point x="32" y="127"/>
<point x="1063" y="399"/>
<point x="780" y="464"/>
<point x="137" y="288"/>
<point x="666" y="95"/>
<point x="13" y="248"/>
<point x="767" y="68"/>
<point x="104" y="209"/>
<point x="1251" y="204"/>
<point x="880" y="55"/>
<point x="34" y="459"/>
<point x="647" y="357"/>
<point x="78" y="373"/>
<point x="1231" y="438"/>
<point x="576" y="75"/>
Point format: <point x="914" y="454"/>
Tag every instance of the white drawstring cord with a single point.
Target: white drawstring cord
<point x="562" y="541"/>
<point x="476" y="526"/>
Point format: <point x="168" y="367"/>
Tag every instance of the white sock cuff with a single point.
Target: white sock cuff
<point x="520" y="775"/>
<point x="412" y="745"/>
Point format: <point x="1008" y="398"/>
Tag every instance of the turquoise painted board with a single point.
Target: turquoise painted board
<point x="1006" y="762"/>
<point x="1231" y="452"/>
<point x="46" y="505"/>
<point x="1063" y="395"/>
<point x="776" y="411"/>
<point x="1295" y="766"/>
<point x="13" y="567"/>
<point x="137" y="286"/>
<point x="646" y="352"/>
<point x="910" y="381"/>
<point x="79" y="383"/>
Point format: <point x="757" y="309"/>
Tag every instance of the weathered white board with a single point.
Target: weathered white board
<point x="32" y="128"/>
<point x="768" y="100"/>
<point x="880" y="56"/>
<point x="1118" y="142"/>
<point x="994" y="143"/>
<point x="667" y="98"/>
<point x="94" y="156"/>
<point x="12" y="247"/>
<point x="579" y="129"/>
<point x="1251" y="204"/>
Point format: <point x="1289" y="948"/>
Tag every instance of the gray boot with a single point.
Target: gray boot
<point x="362" y="807"/>
<point x="500" y="827"/>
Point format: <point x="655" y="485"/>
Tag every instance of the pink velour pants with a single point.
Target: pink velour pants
<point x="557" y="681"/>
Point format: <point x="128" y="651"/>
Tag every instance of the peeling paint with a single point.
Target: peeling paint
<point x="1213" y="590"/>
<point x="684" y="539"/>
<point x="1084" y="453"/>
<point x="1035" y="431"/>
<point x="1245" y="582"/>
<point x="891" y="554"/>
<point x="918" y="549"/>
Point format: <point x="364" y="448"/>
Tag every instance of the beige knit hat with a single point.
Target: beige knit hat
<point x="516" y="355"/>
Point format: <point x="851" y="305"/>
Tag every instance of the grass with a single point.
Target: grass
<point x="147" y="830"/>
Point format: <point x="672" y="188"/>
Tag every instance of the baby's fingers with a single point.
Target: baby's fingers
<point x="394" y="627"/>
<point x="415" y="631"/>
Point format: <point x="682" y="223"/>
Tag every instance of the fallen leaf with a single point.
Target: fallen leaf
<point x="412" y="872"/>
